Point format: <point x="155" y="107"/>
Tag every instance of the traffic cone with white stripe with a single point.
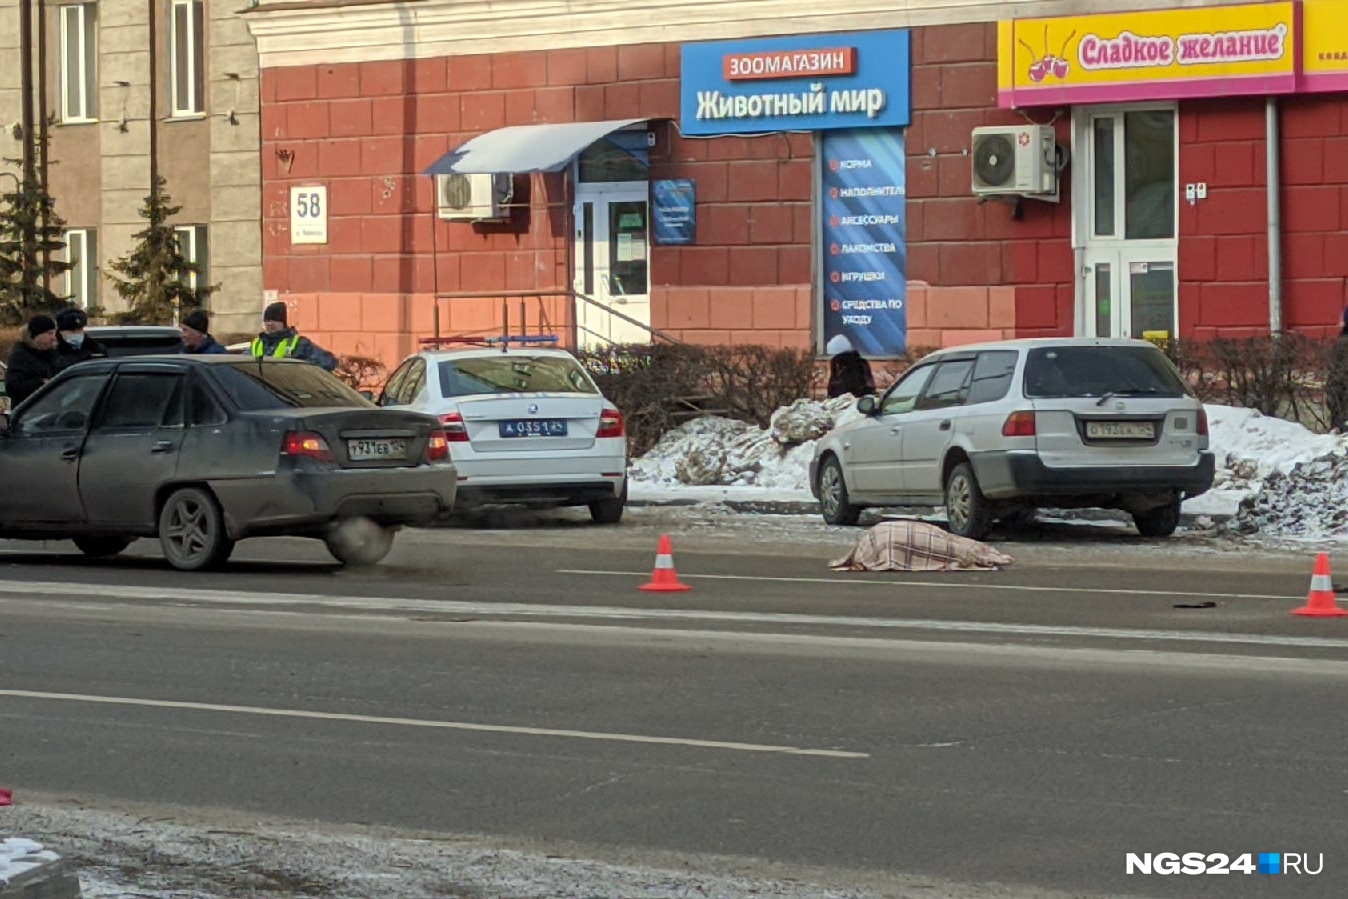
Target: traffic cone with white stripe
<point x="664" y="579"/>
<point x="1320" y="602"/>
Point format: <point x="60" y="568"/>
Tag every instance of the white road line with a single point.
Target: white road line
<point x="441" y="725"/>
<point x="949" y="585"/>
<point x="621" y="613"/>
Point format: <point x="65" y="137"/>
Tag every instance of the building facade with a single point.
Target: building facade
<point x="92" y="81"/>
<point x="910" y="174"/>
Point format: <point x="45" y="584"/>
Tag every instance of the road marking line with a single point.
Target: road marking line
<point x="511" y="610"/>
<point x="441" y="725"/>
<point x="949" y="585"/>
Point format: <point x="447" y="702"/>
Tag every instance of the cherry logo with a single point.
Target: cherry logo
<point x="836" y="305"/>
<point x="835" y="277"/>
<point x="1049" y="64"/>
<point x="833" y="165"/>
<point x="833" y="192"/>
<point x="834" y="249"/>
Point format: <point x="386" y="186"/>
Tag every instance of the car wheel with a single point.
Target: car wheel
<point x="834" y="502"/>
<point x="609" y="511"/>
<point x="966" y="509"/>
<point x="359" y="541"/>
<point x="1158" y="522"/>
<point x="192" y="530"/>
<point x="101" y="547"/>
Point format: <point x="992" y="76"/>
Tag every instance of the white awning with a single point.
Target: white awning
<point x="525" y="148"/>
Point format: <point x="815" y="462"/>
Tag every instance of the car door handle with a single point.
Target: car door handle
<point x="162" y="446"/>
<point x="945" y="425"/>
<point x="896" y="429"/>
<point x="70" y="453"/>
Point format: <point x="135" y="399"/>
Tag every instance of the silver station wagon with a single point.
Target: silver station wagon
<point x="994" y="431"/>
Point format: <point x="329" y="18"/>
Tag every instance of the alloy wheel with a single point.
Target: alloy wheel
<point x="190" y="531"/>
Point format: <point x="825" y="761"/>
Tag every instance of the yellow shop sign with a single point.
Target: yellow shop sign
<point x="1157" y="55"/>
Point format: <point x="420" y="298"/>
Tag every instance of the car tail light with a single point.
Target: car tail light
<point x="307" y="444"/>
<point x="1202" y="422"/>
<point x="455" y="430"/>
<point x="1019" y="424"/>
<point x="437" y="446"/>
<point x="610" y="424"/>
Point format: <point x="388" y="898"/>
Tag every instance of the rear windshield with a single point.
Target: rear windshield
<point x="1100" y="370"/>
<point x="276" y="385"/>
<point x="513" y="373"/>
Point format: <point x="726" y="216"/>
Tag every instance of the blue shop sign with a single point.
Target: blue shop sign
<point x="674" y="211"/>
<point x="808" y="83"/>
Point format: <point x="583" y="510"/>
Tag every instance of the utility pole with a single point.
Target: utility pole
<point x="28" y="240"/>
<point x="156" y="287"/>
<point x="42" y="136"/>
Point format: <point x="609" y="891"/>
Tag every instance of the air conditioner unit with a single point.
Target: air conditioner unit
<point x="474" y="198"/>
<point x="1015" y="160"/>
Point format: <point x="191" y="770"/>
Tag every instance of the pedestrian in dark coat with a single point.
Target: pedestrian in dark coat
<point x="279" y="340"/>
<point x="1336" y="384"/>
<point x="72" y="344"/>
<point x="848" y="372"/>
<point x="32" y="361"/>
<point x="197" y="339"/>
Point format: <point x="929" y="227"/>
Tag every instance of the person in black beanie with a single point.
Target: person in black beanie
<point x="197" y="339"/>
<point x="1336" y="384"/>
<point x="72" y="344"/>
<point x="32" y="361"/>
<point x="279" y="340"/>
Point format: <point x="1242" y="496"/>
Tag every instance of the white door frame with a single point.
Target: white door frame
<point x="595" y="325"/>
<point x="1121" y="255"/>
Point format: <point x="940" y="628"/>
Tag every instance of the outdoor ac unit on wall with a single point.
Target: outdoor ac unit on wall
<point x="1015" y="160"/>
<point x="474" y="198"/>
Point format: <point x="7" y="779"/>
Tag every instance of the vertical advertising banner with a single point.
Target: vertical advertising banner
<point x="674" y="211"/>
<point x="865" y="266"/>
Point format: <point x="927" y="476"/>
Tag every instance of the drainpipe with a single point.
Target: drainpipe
<point x="1272" y="144"/>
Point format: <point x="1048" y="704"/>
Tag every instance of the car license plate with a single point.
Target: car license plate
<point x="376" y="448"/>
<point x="1121" y="430"/>
<point x="534" y="427"/>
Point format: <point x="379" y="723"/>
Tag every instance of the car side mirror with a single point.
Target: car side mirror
<point x="867" y="405"/>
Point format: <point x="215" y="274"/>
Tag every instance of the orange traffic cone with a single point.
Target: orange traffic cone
<point x="664" y="579"/>
<point x="1320" y="602"/>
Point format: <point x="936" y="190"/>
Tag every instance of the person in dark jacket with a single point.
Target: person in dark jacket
<point x="72" y="344"/>
<point x="848" y="372"/>
<point x="1336" y="384"/>
<point x="279" y="340"/>
<point x="197" y="339"/>
<point x="32" y="361"/>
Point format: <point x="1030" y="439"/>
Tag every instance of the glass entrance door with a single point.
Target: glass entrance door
<point x="1127" y="214"/>
<point x="613" y="262"/>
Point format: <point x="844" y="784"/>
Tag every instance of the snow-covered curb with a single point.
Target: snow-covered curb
<point x="1286" y="475"/>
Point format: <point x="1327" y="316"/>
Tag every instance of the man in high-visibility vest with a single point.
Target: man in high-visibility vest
<point x="279" y="340"/>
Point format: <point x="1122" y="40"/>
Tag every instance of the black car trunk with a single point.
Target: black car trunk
<point x="370" y="438"/>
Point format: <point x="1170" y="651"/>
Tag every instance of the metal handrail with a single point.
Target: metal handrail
<point x="573" y="294"/>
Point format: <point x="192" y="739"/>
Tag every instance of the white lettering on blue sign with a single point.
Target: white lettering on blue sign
<point x="889" y="190"/>
<point x="870" y="220"/>
<point x="713" y="105"/>
<point x="849" y="248"/>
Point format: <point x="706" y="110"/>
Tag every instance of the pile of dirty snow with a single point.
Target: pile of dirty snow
<point x="1274" y="476"/>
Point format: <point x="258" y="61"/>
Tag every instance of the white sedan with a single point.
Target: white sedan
<point x="526" y="425"/>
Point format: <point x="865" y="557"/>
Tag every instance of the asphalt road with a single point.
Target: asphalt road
<point x="1025" y="727"/>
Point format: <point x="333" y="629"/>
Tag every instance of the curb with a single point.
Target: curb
<point x="792" y="507"/>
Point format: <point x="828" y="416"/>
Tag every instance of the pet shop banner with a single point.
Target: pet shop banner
<point x="1158" y="55"/>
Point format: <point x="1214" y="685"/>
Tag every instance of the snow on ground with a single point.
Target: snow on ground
<point x="19" y="855"/>
<point x="1293" y="481"/>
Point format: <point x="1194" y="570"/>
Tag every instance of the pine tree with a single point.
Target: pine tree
<point x="154" y="282"/>
<point x="32" y="241"/>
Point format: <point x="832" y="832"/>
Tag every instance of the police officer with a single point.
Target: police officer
<point x="278" y="340"/>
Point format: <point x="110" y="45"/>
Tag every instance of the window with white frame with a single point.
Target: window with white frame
<point x="79" y="62"/>
<point x="187" y="62"/>
<point x="194" y="247"/>
<point x="82" y="276"/>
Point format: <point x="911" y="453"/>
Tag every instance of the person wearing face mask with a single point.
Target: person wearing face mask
<point x="72" y="344"/>
<point x="32" y="361"/>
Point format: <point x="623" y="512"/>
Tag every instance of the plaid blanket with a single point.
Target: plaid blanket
<point x="918" y="546"/>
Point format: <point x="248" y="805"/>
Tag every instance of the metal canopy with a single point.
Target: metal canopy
<point x="525" y="148"/>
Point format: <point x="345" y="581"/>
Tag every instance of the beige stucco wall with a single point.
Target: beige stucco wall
<point x="100" y="175"/>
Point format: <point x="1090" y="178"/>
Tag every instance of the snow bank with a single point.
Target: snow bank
<point x="1275" y="476"/>
<point x="19" y="856"/>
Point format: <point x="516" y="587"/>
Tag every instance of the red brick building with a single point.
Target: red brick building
<point x="1160" y="225"/>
